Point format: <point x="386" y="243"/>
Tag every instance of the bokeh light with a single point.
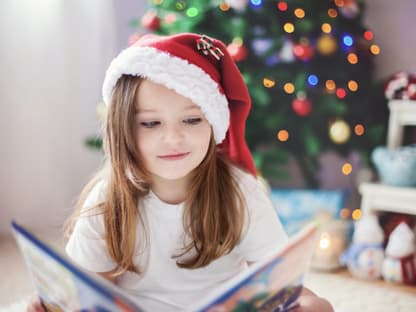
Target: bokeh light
<point x="283" y="135"/>
<point x="359" y="129"/>
<point x="353" y="85"/>
<point x="352" y="58"/>
<point x="356" y="214"/>
<point x="299" y="13"/>
<point x="346" y="169"/>
<point x="375" y="49"/>
<point x="289" y="28"/>
<point x="326" y="28"/>
<point x="282" y="6"/>
<point x="332" y="13"/>
<point x="368" y="35"/>
<point x="289" y="87"/>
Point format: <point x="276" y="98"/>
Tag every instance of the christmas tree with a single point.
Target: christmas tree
<point x="308" y="66"/>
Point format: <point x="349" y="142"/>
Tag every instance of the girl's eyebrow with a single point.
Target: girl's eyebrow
<point x="151" y="110"/>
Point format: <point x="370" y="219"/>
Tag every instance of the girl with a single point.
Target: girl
<point x="176" y="211"/>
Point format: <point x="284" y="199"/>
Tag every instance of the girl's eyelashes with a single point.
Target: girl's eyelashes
<point x="149" y="124"/>
<point x="192" y="121"/>
<point x="155" y="123"/>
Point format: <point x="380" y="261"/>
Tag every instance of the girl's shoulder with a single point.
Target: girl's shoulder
<point x="246" y="181"/>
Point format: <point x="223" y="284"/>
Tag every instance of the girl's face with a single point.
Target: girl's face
<point x="172" y="133"/>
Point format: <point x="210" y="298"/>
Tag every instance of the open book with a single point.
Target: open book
<point x="271" y="285"/>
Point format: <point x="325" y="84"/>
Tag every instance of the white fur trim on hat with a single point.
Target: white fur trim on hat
<point x="176" y="74"/>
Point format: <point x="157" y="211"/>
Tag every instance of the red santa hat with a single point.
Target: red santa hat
<point x="201" y="69"/>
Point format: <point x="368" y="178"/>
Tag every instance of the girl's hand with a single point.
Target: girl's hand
<point x="35" y="305"/>
<point x="309" y="302"/>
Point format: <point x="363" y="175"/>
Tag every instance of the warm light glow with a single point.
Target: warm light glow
<point x="268" y="83"/>
<point x="299" y="13"/>
<point x="330" y="85"/>
<point x="344" y="213"/>
<point x="352" y="58"/>
<point x="368" y="35"/>
<point x="341" y="93"/>
<point x="332" y="13"/>
<point x="326" y="28"/>
<point x="353" y="85"/>
<point x="224" y="6"/>
<point x="324" y="241"/>
<point x="289" y="87"/>
<point x="356" y="214"/>
<point x="375" y="49"/>
<point x="289" y="28"/>
<point x="157" y="2"/>
<point x="359" y="129"/>
<point x="283" y="135"/>
<point x="346" y="169"/>
<point x="282" y="6"/>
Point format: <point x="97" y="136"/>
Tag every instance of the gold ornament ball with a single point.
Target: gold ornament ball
<point x="326" y="45"/>
<point x="339" y="132"/>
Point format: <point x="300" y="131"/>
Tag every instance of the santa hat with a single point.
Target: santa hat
<point x="201" y="69"/>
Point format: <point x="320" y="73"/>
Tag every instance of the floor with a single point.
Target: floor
<point x="344" y="292"/>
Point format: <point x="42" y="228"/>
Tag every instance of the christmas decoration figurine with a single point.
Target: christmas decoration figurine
<point x="399" y="263"/>
<point x="364" y="257"/>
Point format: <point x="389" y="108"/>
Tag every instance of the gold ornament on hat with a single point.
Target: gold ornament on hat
<point x="206" y="46"/>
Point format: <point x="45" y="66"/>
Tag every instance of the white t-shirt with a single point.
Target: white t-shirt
<point x="163" y="286"/>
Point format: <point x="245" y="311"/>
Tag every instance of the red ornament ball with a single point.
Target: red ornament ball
<point x="238" y="52"/>
<point x="303" y="51"/>
<point x="150" y="21"/>
<point x="302" y="106"/>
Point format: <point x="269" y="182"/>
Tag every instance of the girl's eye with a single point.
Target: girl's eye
<point x="150" y="124"/>
<point x="193" y="121"/>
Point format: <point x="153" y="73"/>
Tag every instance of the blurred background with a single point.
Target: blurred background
<point x="54" y="54"/>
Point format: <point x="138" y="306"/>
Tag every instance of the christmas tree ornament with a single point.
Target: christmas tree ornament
<point x="364" y="257"/>
<point x="237" y="51"/>
<point x="339" y="131"/>
<point x="303" y="51"/>
<point x="326" y="45"/>
<point x="150" y="20"/>
<point x="350" y="9"/>
<point x="301" y="105"/>
<point x="238" y="5"/>
<point x="286" y="53"/>
<point x="399" y="262"/>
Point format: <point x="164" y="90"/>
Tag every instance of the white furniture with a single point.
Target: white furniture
<point x="379" y="197"/>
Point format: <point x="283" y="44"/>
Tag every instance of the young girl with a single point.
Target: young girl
<point x="177" y="210"/>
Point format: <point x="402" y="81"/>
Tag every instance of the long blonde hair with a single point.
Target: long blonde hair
<point x="214" y="209"/>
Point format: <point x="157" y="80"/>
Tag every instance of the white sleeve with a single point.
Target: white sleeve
<point x="263" y="233"/>
<point x="86" y="245"/>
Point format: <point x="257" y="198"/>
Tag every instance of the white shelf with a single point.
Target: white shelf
<point x="377" y="196"/>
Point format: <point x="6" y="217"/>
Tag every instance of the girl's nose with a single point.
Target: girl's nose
<point x="173" y="134"/>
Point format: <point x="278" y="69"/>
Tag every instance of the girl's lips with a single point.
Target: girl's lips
<point x="174" y="156"/>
